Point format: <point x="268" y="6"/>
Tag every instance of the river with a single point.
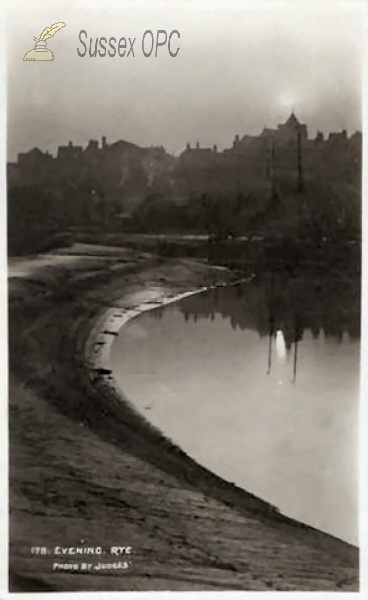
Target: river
<point x="258" y="382"/>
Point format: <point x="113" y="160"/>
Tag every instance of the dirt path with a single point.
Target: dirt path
<point x="86" y="471"/>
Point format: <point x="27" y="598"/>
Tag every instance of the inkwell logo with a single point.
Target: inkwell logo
<point x="40" y="51"/>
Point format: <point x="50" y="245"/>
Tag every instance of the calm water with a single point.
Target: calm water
<point x="259" y="383"/>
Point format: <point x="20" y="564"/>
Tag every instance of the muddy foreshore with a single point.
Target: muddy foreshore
<point x="88" y="472"/>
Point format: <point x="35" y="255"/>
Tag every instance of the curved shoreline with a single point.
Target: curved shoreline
<point x="97" y="354"/>
<point x="192" y="530"/>
<point x="108" y="324"/>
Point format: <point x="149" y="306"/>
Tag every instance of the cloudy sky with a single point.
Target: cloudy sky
<point x="240" y="66"/>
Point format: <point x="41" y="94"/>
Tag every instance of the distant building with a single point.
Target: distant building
<point x="33" y="158"/>
<point x="288" y="131"/>
<point x="283" y="150"/>
<point x="69" y="152"/>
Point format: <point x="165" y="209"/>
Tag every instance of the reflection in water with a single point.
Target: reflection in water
<point x="280" y="345"/>
<point x="277" y="305"/>
<point x="275" y="302"/>
<point x="269" y="403"/>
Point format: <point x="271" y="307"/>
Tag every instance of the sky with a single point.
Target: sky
<point x="241" y="66"/>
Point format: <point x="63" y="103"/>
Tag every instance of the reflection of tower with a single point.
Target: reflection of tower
<point x="280" y="345"/>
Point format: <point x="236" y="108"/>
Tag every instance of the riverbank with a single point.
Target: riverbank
<point x="86" y="471"/>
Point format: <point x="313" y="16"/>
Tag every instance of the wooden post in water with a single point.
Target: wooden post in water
<point x="270" y="336"/>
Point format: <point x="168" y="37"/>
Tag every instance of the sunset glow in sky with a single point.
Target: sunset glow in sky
<point x="241" y="66"/>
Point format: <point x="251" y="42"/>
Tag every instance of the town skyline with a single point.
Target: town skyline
<point x="122" y="172"/>
<point x="195" y="144"/>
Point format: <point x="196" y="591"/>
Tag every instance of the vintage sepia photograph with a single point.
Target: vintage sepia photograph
<point x="184" y="275"/>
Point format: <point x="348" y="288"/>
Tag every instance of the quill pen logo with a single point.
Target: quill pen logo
<point x="40" y="51"/>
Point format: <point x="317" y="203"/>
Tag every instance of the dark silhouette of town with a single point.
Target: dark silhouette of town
<point x="280" y="182"/>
